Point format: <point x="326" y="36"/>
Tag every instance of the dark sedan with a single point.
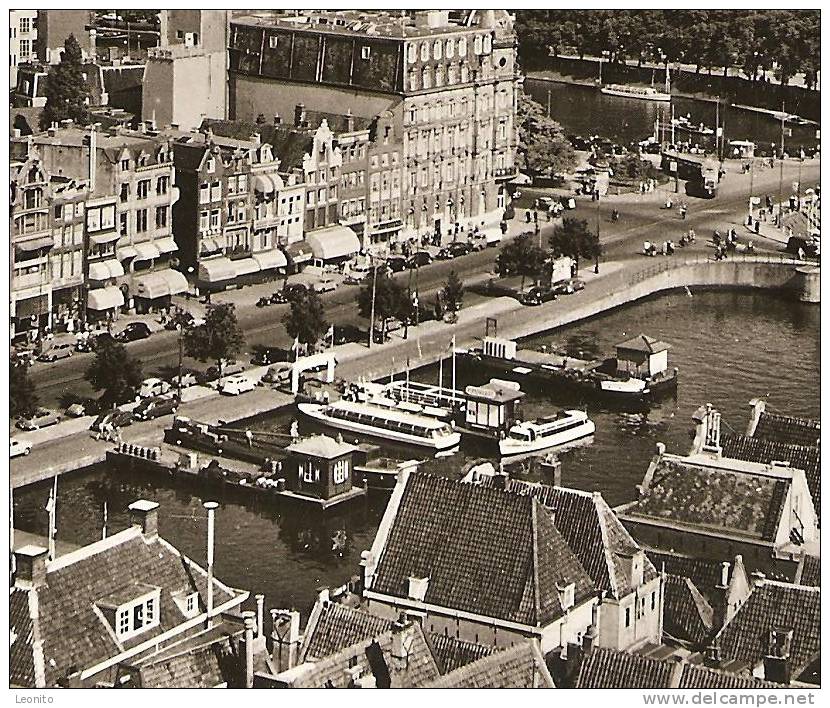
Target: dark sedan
<point x="134" y="331"/>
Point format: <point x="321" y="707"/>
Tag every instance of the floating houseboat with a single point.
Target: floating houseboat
<point x="527" y="437"/>
<point x="638" y="373"/>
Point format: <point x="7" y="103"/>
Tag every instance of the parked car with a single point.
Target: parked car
<point x="188" y="380"/>
<point x="325" y="285"/>
<point x="810" y="246"/>
<point x="236" y="385"/>
<point x="184" y="319"/>
<point x="41" y="418"/>
<point x="155" y="407"/>
<point x="343" y="334"/>
<point x="397" y="263"/>
<point x="356" y="272"/>
<point x="291" y="292"/>
<point x="153" y="387"/>
<point x="59" y="351"/>
<point x="537" y="295"/>
<point x="454" y="250"/>
<point x="420" y="258"/>
<point x="22" y="356"/>
<point x="18" y="446"/>
<point x="568" y="286"/>
<point x="278" y="373"/>
<point x="133" y="332"/>
<point x="117" y="418"/>
<point x="268" y="355"/>
<point x="229" y="368"/>
<point x="576" y="284"/>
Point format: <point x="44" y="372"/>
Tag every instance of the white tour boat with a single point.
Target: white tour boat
<point x="645" y="93"/>
<point x="387" y="423"/>
<point x="542" y="434"/>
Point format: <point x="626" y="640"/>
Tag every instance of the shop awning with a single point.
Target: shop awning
<point x="146" y="251"/>
<point x="209" y="245"/>
<point x="215" y="270"/>
<point x="245" y="266"/>
<point x="271" y="259"/>
<point x="37" y="305"/>
<point x="263" y="184"/>
<point x="104" y="270"/>
<point x="333" y="242"/>
<point x="388" y="227"/>
<point x="166" y="245"/>
<point x="36" y="244"/>
<point x="105" y="237"/>
<point x="105" y="298"/>
<point x="299" y="252"/>
<point x="160" y="283"/>
<point x="126" y="252"/>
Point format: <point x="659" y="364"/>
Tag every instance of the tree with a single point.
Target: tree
<point x="544" y="146"/>
<point x="388" y="296"/>
<point x="573" y="238"/>
<point x="521" y="257"/>
<point x="66" y="89"/>
<point x="114" y="372"/>
<point x="305" y="321"/>
<point x="453" y="292"/>
<point x="23" y="399"/>
<point x="218" y="339"/>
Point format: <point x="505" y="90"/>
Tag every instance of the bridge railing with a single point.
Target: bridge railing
<point x="667" y="263"/>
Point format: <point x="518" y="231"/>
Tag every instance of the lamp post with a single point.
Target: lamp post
<point x="374" y="287"/>
<point x="181" y="361"/>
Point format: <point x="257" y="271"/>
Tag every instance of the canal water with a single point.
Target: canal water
<point x="729" y="347"/>
<point x="583" y="110"/>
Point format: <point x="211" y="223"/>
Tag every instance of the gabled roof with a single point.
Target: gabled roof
<point x="645" y="344"/>
<point x="289" y="144"/>
<point x="787" y="429"/>
<point x="72" y="628"/>
<point x="322" y="446"/>
<point x="735" y="498"/>
<point x="687" y="615"/>
<point x="373" y="655"/>
<point x="809" y="572"/>
<point x="338" y="627"/>
<point x="520" y="666"/>
<point x="703" y="677"/>
<point x="780" y="606"/>
<point x="592" y="531"/>
<point x="765" y="451"/>
<point x="484" y="551"/>
<point x="451" y="653"/>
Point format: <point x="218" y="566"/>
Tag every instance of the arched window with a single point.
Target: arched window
<point x="450" y="48"/>
<point x="439" y="75"/>
<point x="462" y="46"/>
<point x="425" y="51"/>
<point x="427" y="79"/>
<point x="477" y="44"/>
<point x="452" y="74"/>
<point x="413" y="80"/>
<point x="411" y="53"/>
<point x="436" y="49"/>
<point x="487" y="43"/>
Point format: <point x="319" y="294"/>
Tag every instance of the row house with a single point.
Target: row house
<point x="385" y="156"/>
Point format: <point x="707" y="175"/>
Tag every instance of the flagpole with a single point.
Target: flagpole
<point x="441" y="371"/>
<point x="407" y="378"/>
<point x="104" y="529"/>
<point x="453" y="368"/>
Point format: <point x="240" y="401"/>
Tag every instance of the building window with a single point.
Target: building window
<point x="242" y="184"/>
<point x="273" y="41"/>
<point x="627" y="616"/>
<point x="124" y="193"/>
<point x="426" y="78"/>
<point x="204" y="193"/>
<point x="450" y="48"/>
<point x="215" y="191"/>
<point x="436" y="49"/>
<point x="143" y="189"/>
<point x="123" y="621"/>
<point x="477" y="44"/>
<point x="653" y="600"/>
<point x="122" y="224"/>
<point x="341" y="471"/>
<point x="161" y="217"/>
<point x="309" y="472"/>
<point x="191" y="604"/>
<point x="125" y="164"/>
<point x="411" y="53"/>
<point x="141" y="220"/>
<point x="135" y="618"/>
<point x="203" y="221"/>
<point x="25" y="49"/>
<point x="214" y="219"/>
<point x="425" y="51"/>
<point x="365" y="52"/>
<point x="210" y="166"/>
<point x="462" y="46"/>
<point x="162" y="185"/>
<point x="25" y="25"/>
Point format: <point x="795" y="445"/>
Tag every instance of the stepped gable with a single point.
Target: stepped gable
<point x="485" y="551"/>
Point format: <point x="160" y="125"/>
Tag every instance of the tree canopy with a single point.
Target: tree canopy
<point x="521" y="256"/>
<point x="305" y="320"/>
<point x="66" y="89"/>
<point x="23" y="399"/>
<point x="750" y="39"/>
<point x="453" y="292"/>
<point x="390" y="297"/>
<point x="220" y="338"/>
<point x="115" y="373"/>
<point x="542" y="142"/>
<point x="574" y="238"/>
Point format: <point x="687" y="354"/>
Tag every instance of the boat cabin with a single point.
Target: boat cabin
<point x="492" y="407"/>
<point x="319" y="466"/>
<point x="642" y="357"/>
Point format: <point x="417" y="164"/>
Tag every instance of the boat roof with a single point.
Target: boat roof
<point x="389" y="413"/>
<point x="321" y="446"/>
<point x="644" y="343"/>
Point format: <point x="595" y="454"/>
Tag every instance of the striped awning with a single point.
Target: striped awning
<point x="105" y="237"/>
<point x="36" y="244"/>
<point x="215" y="270"/>
<point x="104" y="270"/>
<point x="160" y="283"/>
<point x="271" y="259"/>
<point x="126" y="252"/>
<point x="333" y="242"/>
<point x="105" y="298"/>
<point x="166" y="245"/>
<point x="146" y="251"/>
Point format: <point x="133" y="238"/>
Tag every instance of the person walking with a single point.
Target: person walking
<point x="249" y="436"/>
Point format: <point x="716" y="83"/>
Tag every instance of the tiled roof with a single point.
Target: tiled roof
<point x="607" y="668"/>
<point x="592" y="530"/>
<point x="416" y="669"/>
<point x="322" y="446"/>
<point x="339" y="626"/>
<point x="732" y="500"/>
<point x="703" y="677"/>
<point x="289" y="144"/>
<point x="203" y="666"/>
<point x="809" y="571"/>
<point x="72" y="629"/>
<point x="773" y="605"/>
<point x="484" y="551"/>
<point x="766" y="451"/>
<point x="188" y="156"/>
<point x="21" y="660"/>
<point x="687" y="615"/>
<point x="451" y="653"/>
<point x="520" y="666"/>
<point x="787" y="429"/>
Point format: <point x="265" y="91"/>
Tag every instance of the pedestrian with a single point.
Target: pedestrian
<point x="503" y="227"/>
<point x="527" y="216"/>
<point x="249" y="436"/>
<point x="294" y="430"/>
<point x="535" y="216"/>
<point x="683" y="211"/>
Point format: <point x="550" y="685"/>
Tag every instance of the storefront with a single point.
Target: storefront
<point x="247" y="271"/>
<point x="103" y="304"/>
<point x="216" y="273"/>
<point x="298" y="254"/>
<point x="272" y="264"/>
<point x="333" y="244"/>
<point x="154" y="290"/>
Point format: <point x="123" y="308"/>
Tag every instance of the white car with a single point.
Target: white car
<point x="153" y="387"/>
<point x="18" y="446"/>
<point x="325" y="285"/>
<point x="235" y="385"/>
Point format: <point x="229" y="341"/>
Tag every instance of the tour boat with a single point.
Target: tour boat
<point x="545" y="433"/>
<point x="645" y="93"/>
<point x="385" y="423"/>
<point x="684" y="123"/>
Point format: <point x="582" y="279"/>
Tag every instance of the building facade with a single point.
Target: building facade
<point x="22" y="40"/>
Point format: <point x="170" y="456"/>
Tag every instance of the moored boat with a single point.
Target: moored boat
<point x="385" y="423"/>
<point x="644" y="93"/>
<point x="545" y="433"/>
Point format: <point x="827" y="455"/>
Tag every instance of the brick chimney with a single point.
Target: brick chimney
<point x="30" y="567"/>
<point x="591" y="637"/>
<point x="285" y="639"/>
<point x="402" y="630"/>
<point x="720" y="599"/>
<point x="144" y="513"/>
<point x="777" y="661"/>
<point x="250" y="624"/>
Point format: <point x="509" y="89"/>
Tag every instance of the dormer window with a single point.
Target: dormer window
<point x="187" y="602"/>
<point x="132" y="610"/>
<point x="125" y="164"/>
<point x="210" y="166"/>
<point x="566" y="595"/>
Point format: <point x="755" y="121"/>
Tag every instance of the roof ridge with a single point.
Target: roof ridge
<point x="93" y="549"/>
<point x="609" y="561"/>
<point x="537" y="605"/>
